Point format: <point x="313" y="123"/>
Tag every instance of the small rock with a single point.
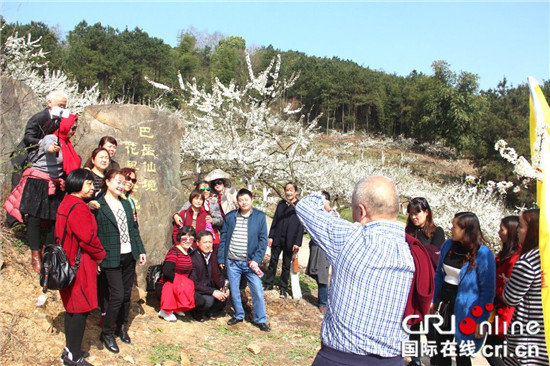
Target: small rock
<point x="170" y="363"/>
<point x="254" y="348"/>
<point x="184" y="360"/>
<point x="129" y="358"/>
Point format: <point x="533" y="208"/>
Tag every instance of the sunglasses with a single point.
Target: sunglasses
<point x="134" y="180"/>
<point x="218" y="182"/>
<point x="74" y="128"/>
<point x="186" y="238"/>
<point x="205" y="189"/>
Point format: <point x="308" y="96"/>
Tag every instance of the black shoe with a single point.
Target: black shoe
<point x="80" y="362"/>
<point x="263" y="327"/>
<point x="268" y="287"/>
<point x="282" y="293"/>
<point x="198" y="317"/>
<point x="65" y="354"/>
<point x="233" y="321"/>
<point x="109" y="342"/>
<point x="122" y="332"/>
<point x="414" y="363"/>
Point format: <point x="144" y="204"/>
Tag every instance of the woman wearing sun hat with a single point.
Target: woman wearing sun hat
<point x="222" y="191"/>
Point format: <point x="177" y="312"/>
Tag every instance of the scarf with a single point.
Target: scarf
<point x="71" y="160"/>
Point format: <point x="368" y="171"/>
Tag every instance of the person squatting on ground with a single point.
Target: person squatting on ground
<point x="285" y="236"/>
<point x="120" y="238"/>
<point x="465" y="277"/>
<point x="210" y="297"/>
<point x="40" y="190"/>
<point x="77" y="226"/>
<point x="177" y="289"/>
<point x="318" y="264"/>
<point x="242" y="247"/>
<point x="372" y="276"/>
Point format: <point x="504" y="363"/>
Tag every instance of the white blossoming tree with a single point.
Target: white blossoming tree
<point x="245" y="130"/>
<point x="23" y="59"/>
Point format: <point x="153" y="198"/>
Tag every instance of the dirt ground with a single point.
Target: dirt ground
<point x="35" y="334"/>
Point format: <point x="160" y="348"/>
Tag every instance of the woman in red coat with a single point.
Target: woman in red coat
<point x="76" y="228"/>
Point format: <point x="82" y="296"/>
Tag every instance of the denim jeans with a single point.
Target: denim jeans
<point x="234" y="271"/>
<point x="322" y="296"/>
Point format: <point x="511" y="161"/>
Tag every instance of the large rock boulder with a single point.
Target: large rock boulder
<point x="18" y="104"/>
<point x="149" y="141"/>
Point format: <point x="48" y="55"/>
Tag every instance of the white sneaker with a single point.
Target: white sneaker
<point x="168" y="317"/>
<point x="179" y="313"/>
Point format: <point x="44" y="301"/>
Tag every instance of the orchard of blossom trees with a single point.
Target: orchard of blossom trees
<point x="247" y="131"/>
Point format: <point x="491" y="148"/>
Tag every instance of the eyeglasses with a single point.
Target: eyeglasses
<point x="133" y="180"/>
<point x="187" y="238"/>
<point x="218" y="182"/>
<point x="205" y="189"/>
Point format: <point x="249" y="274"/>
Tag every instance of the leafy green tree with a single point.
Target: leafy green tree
<point x="228" y="60"/>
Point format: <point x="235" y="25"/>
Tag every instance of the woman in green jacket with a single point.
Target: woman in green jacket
<point x="120" y="238"/>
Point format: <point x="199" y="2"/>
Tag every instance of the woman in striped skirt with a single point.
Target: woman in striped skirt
<point x="523" y="291"/>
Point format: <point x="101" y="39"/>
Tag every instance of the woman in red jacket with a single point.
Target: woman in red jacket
<point x="194" y="216"/>
<point x="505" y="260"/>
<point x="76" y="229"/>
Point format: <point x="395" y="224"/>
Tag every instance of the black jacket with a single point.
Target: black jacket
<point x="207" y="278"/>
<point x="34" y="131"/>
<point x="286" y="228"/>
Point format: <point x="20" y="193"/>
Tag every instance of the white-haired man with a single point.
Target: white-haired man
<point x="373" y="271"/>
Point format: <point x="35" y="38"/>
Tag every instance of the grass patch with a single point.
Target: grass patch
<point x="20" y="244"/>
<point x="161" y="353"/>
<point x="307" y="283"/>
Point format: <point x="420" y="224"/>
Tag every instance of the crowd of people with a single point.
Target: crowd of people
<point x="385" y="278"/>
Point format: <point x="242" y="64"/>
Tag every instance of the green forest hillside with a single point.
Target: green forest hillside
<point x="446" y="107"/>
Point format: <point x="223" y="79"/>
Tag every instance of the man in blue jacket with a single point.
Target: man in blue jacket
<point x="243" y="242"/>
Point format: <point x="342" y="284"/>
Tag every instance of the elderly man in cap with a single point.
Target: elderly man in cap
<point x="222" y="191"/>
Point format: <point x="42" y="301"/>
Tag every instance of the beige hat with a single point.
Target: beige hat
<point x="217" y="174"/>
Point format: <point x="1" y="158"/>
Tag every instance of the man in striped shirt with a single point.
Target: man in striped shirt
<point x="243" y="242"/>
<point x="372" y="274"/>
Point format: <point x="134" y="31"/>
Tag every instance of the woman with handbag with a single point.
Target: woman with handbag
<point x="120" y="238"/>
<point x="464" y="279"/>
<point x="77" y="230"/>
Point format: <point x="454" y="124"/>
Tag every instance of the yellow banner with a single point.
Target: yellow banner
<point x="540" y="116"/>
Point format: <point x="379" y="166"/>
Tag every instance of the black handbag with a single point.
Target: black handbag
<point x="444" y="311"/>
<point x="56" y="271"/>
<point x="153" y="275"/>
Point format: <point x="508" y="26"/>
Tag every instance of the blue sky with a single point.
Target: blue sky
<point x="492" y="39"/>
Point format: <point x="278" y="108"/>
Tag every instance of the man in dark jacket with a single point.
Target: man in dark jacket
<point x="210" y="295"/>
<point x="34" y="132"/>
<point x="285" y="236"/>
